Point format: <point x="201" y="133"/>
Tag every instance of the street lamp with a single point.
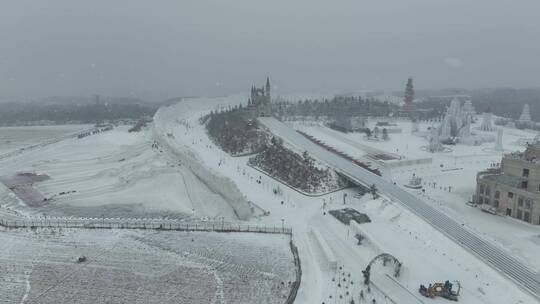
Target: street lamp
<point x="282" y="225"/>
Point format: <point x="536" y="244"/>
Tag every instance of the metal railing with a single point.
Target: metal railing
<point x="155" y="224"/>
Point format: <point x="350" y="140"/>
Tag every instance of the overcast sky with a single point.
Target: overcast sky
<point x="159" y="49"/>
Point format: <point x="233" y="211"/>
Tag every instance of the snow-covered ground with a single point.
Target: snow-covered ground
<point x="40" y="266"/>
<point x="457" y="169"/>
<point x="116" y="174"/>
<point x="13" y="138"/>
<point x="428" y="256"/>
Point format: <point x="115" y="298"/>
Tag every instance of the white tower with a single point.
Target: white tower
<point x="434" y="141"/>
<point x="468" y="109"/>
<point x="486" y="122"/>
<point x="415" y="126"/>
<point x="525" y="117"/>
<point x="498" y="142"/>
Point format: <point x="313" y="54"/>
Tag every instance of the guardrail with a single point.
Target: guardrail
<point x="155" y="224"/>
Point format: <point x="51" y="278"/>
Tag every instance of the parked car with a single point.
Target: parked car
<point x="489" y="209"/>
<point x="471" y="203"/>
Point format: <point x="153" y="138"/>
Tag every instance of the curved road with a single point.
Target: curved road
<point x="492" y="255"/>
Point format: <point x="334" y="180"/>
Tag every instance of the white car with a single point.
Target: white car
<point x="471" y="203"/>
<point x="489" y="209"/>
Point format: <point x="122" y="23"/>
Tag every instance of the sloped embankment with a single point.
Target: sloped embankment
<point x="224" y="187"/>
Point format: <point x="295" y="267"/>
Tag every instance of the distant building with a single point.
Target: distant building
<point x="514" y="188"/>
<point x="525" y="120"/>
<point x="408" y="97"/>
<point x="259" y="104"/>
<point x="350" y="123"/>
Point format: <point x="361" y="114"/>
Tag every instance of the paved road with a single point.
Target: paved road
<point x="492" y="255"/>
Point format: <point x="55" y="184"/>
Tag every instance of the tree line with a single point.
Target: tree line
<point x="23" y="113"/>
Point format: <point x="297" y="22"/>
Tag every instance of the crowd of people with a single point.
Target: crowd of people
<point x="298" y="171"/>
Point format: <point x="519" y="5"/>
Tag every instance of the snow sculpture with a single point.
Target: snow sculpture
<point x="465" y="131"/>
<point x="446" y="127"/>
<point x="415" y="126"/>
<point x="415" y="182"/>
<point x="456" y="123"/>
<point x="468" y="109"/>
<point x="525" y="117"/>
<point x="486" y="122"/>
<point x="434" y="141"/>
<point x="498" y="142"/>
<point x="456" y="127"/>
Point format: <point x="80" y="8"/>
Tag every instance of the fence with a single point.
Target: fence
<point x="296" y="283"/>
<point x="156" y="224"/>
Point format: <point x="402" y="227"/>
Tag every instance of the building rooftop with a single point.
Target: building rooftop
<point x="531" y="155"/>
<point x="504" y="179"/>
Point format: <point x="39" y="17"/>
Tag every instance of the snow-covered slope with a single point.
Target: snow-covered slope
<point x="170" y="126"/>
<point x="116" y="174"/>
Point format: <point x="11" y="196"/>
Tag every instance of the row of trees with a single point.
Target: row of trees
<point x="21" y="113"/>
<point x="353" y="106"/>
<point x="234" y="133"/>
<point x="377" y="133"/>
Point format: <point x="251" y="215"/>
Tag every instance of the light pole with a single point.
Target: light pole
<point x="282" y="225"/>
<point x="222" y="223"/>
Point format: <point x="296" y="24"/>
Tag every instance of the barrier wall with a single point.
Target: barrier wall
<point x="327" y="252"/>
<point x="403" y="163"/>
<point x="298" y="280"/>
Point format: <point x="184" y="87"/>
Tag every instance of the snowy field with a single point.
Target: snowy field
<point x="117" y="174"/>
<point x="120" y="173"/>
<point x="13" y="138"/>
<point x="143" y="267"/>
<point x="428" y="256"/>
<point x="457" y="169"/>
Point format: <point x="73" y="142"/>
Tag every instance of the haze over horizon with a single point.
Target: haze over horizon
<point x="156" y="51"/>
